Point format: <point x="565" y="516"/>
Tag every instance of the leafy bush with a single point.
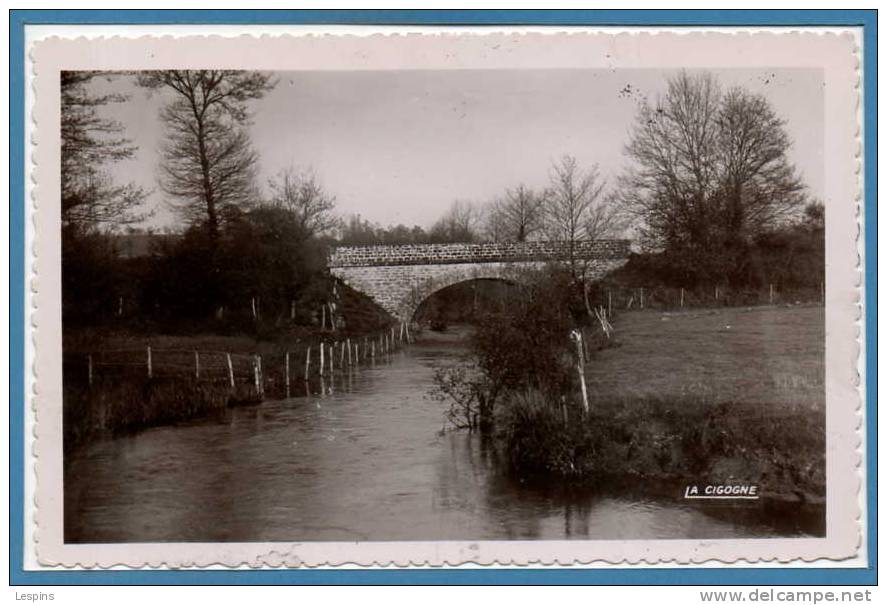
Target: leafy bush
<point x="687" y="439"/>
<point x="537" y="434"/>
<point x="523" y="346"/>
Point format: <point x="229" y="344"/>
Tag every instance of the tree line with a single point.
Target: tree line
<point x="238" y="247"/>
<point x="707" y="186"/>
<point x="571" y="208"/>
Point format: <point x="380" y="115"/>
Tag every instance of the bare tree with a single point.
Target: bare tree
<point x="575" y="208"/>
<point x="459" y="224"/>
<point x="90" y="143"/>
<point x="759" y="187"/>
<point x="493" y="229"/>
<point x="517" y="216"/>
<point x="710" y="173"/>
<point x="301" y="194"/>
<point x="208" y="162"/>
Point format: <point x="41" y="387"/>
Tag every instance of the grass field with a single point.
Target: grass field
<point x="760" y="356"/>
<point x="85" y="341"/>
<point x="724" y="396"/>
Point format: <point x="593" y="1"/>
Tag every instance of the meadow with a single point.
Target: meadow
<point x="773" y="357"/>
<point x="728" y="395"/>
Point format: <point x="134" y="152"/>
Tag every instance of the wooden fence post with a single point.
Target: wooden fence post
<point x="332" y="358"/>
<point x="577" y="336"/>
<point x="150" y="368"/>
<point x="261" y="377"/>
<point x="196" y="365"/>
<point x="321" y="358"/>
<point x="771" y="294"/>
<point x="307" y="362"/>
<point x="642" y="298"/>
<point x="322" y="320"/>
<point x="287" y="374"/>
<point x="356" y="354"/>
<point x="257" y="375"/>
<point x="230" y="369"/>
<point x="348" y="344"/>
<point x="682" y="298"/>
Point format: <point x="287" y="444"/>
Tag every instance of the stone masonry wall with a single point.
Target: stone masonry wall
<point x="399" y="289"/>
<point x="441" y="254"/>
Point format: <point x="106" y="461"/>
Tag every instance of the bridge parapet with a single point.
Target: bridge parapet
<point x="494" y="252"/>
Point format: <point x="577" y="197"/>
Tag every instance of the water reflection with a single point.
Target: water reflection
<point x="362" y="458"/>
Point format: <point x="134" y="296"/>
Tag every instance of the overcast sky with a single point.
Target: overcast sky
<point x="400" y="146"/>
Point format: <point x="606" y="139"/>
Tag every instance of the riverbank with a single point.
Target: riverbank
<point x="119" y="382"/>
<point x="727" y="396"/>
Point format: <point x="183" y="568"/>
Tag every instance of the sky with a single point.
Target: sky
<point x="401" y="146"/>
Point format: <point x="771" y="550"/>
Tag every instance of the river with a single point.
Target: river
<point x="368" y="461"/>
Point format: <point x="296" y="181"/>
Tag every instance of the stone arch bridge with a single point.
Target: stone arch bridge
<point x="399" y="278"/>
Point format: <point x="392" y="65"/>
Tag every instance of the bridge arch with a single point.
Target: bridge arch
<point x="431" y="288"/>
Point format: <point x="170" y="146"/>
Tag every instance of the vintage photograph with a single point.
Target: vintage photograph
<point x="542" y="305"/>
<point x="442" y="305"/>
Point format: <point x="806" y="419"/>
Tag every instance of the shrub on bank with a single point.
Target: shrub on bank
<point x="682" y="439"/>
<point x="116" y="407"/>
<point x="523" y="346"/>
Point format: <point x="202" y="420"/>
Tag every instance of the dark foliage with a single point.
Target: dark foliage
<point x="526" y="344"/>
<point x="91" y="276"/>
<point x="523" y="345"/>
<point x="791" y="258"/>
<point x="662" y="439"/>
<point x="191" y="283"/>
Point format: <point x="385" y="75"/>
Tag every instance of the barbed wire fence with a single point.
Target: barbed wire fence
<point x="278" y="373"/>
<point x="621" y="298"/>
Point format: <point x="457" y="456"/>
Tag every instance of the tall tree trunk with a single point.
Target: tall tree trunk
<point x="212" y="219"/>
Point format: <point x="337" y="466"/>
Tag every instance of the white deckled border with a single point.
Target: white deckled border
<point x="836" y="55"/>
